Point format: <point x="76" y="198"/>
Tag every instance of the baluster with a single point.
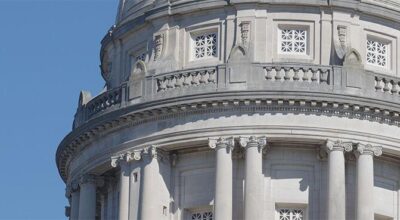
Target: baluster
<point x="286" y="77"/>
<point x="195" y="78"/>
<point x="268" y="76"/>
<point x="178" y="82"/>
<point x="211" y="76"/>
<point x="314" y="77"/>
<point x="186" y="80"/>
<point x="278" y="76"/>
<point x="170" y="83"/>
<point x="305" y="75"/>
<point x="395" y="88"/>
<point x="296" y="76"/>
<point x="386" y="88"/>
<point x="378" y="85"/>
<point x="203" y="79"/>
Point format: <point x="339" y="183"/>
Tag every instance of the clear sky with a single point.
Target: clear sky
<point x="49" y="51"/>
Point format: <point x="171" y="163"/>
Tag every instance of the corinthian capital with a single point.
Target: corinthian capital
<point x="338" y="145"/>
<point x="253" y="141"/>
<point x="368" y="149"/>
<point x="221" y="142"/>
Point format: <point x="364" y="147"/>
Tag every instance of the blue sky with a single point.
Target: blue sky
<point x="49" y="51"/>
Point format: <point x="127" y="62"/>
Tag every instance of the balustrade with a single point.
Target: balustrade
<point x="186" y="79"/>
<point x="104" y="101"/>
<point x="297" y="74"/>
<point x="388" y="85"/>
<point x="306" y="76"/>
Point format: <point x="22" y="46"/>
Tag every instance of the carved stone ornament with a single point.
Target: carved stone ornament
<point x="153" y="152"/>
<point x="221" y="142"/>
<point x="368" y="149"/>
<point x="341" y="42"/>
<point x="253" y="141"/>
<point x="88" y="179"/>
<point x="158" y="46"/>
<point x="245" y="32"/>
<point x="126" y="157"/>
<point x="338" y="145"/>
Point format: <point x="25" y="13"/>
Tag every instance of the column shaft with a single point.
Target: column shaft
<point x="87" y="201"/>
<point x="365" y="180"/>
<point x="365" y="187"/>
<point x="223" y="178"/>
<point x="74" y="205"/>
<point x="124" y="192"/>
<point x="336" y="178"/>
<point x="254" y="191"/>
<point x="336" y="186"/>
<point x="150" y="199"/>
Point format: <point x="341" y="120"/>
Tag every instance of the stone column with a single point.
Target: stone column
<point x="365" y="180"/>
<point x="253" y="177"/>
<point x="151" y="204"/>
<point x="111" y="182"/>
<point x="73" y="193"/>
<point x="123" y="161"/>
<point x="87" y="199"/>
<point x="336" y="178"/>
<point x="223" y="177"/>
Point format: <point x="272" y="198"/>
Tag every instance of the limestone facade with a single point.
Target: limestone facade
<point x="241" y="109"/>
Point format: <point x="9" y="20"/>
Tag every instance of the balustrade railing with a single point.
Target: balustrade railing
<point x="326" y="78"/>
<point x="287" y="72"/>
<point x="387" y="84"/>
<point x="104" y="101"/>
<point x="188" y="78"/>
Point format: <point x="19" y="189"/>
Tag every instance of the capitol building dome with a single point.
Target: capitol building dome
<point x="241" y="110"/>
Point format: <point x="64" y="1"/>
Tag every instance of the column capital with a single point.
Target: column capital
<point x="253" y="141"/>
<point x="221" y="142"/>
<point x="338" y="145"/>
<point x="91" y="179"/>
<point x="368" y="149"/>
<point x="154" y="152"/>
<point x="71" y="187"/>
<point x="125" y="158"/>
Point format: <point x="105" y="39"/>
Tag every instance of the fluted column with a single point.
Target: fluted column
<point x="253" y="177"/>
<point x="123" y="161"/>
<point x="336" y="179"/>
<point x="223" y="177"/>
<point x="365" y="180"/>
<point x="87" y="199"/>
<point x="151" y="208"/>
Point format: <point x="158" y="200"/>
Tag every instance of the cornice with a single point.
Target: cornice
<point x="78" y="139"/>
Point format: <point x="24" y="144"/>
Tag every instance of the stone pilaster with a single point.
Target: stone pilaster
<point x="336" y="178"/>
<point x="223" y="177"/>
<point x="253" y="176"/>
<point x="365" y="180"/>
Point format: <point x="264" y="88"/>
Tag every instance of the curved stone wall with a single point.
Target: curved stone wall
<point x="300" y="100"/>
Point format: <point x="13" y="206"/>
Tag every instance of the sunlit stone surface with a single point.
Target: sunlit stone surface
<point x="241" y="110"/>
